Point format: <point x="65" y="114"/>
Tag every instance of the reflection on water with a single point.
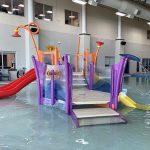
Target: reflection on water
<point x="25" y="126"/>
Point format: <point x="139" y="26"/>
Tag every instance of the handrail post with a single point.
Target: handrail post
<point x="52" y="88"/>
<point x="67" y="83"/>
<point x="91" y="78"/>
<point x="70" y="87"/>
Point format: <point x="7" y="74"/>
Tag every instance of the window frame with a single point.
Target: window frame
<point x="43" y="12"/>
<point x="70" y="13"/>
<point x="2" y="56"/>
<point x="109" y="60"/>
<point x="13" y="7"/>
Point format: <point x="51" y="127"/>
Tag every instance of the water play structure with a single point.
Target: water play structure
<point x="74" y="92"/>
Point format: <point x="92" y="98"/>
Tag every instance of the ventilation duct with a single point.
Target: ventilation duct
<point x="92" y="2"/>
<point x="128" y="7"/>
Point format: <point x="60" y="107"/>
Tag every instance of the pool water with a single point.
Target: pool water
<point x="26" y="126"/>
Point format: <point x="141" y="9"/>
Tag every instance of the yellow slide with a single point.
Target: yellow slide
<point x="123" y="98"/>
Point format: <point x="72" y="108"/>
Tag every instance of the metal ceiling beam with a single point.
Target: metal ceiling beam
<point x="128" y="7"/>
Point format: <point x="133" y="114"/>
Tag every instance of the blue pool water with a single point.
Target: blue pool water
<point x="25" y="126"/>
<point x="141" y="75"/>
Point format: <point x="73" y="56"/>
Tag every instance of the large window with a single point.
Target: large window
<point x="148" y="34"/>
<point x="146" y="64"/>
<point x="13" y="7"/>
<point x="43" y="12"/>
<point x="7" y="60"/>
<point x="72" y="18"/>
<point x="109" y="60"/>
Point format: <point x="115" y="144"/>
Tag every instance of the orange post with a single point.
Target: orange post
<point x="27" y="28"/>
<point x="77" y="56"/>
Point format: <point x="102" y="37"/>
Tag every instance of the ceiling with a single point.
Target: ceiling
<point x="145" y="3"/>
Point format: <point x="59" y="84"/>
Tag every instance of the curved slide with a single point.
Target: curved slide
<point x="15" y="86"/>
<point x="127" y="101"/>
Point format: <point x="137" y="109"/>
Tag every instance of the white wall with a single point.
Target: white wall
<point x="8" y="24"/>
<point x="58" y="23"/>
<point x="9" y="43"/>
<point x="102" y="25"/>
<point x="135" y="33"/>
<point x="101" y="22"/>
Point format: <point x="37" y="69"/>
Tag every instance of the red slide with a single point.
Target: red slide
<point x="15" y="86"/>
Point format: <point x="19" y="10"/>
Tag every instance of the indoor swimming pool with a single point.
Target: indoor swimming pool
<point x="26" y="126"/>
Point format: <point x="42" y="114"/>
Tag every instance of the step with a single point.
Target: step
<point x="84" y="96"/>
<point x="79" y="84"/>
<point x="78" y="79"/>
<point x="95" y="116"/>
<point x="77" y="74"/>
<point x="94" y="112"/>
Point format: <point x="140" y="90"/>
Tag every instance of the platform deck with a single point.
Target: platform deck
<point x="84" y="96"/>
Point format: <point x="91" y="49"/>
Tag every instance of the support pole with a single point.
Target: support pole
<point x="84" y="38"/>
<point x="29" y="49"/>
<point x="67" y="83"/>
<point x="119" y="49"/>
<point x="52" y="88"/>
<point x="84" y="21"/>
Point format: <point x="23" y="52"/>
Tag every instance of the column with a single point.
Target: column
<point x="84" y="37"/>
<point x="119" y="49"/>
<point x="29" y="49"/>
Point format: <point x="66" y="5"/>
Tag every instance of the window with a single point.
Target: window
<point x="148" y="34"/>
<point x="43" y="12"/>
<point x="18" y="7"/>
<point x="109" y="60"/>
<point x="72" y="18"/>
<point x="7" y="60"/>
<point x="13" y="7"/>
<point x="146" y="64"/>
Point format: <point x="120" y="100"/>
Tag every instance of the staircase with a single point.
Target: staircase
<point x="91" y="107"/>
<point x="78" y="80"/>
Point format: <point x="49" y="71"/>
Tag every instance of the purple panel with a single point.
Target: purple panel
<point x="40" y="71"/>
<point x="67" y="82"/>
<point x="52" y="88"/>
<point x="70" y="85"/>
<point x="91" y="76"/>
<point x="74" y="118"/>
<point x="117" y="73"/>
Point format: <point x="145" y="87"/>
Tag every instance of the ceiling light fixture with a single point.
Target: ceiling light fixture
<point x="4" y="5"/>
<point x="41" y="15"/>
<point x="148" y="23"/>
<point x="71" y="17"/>
<point x="10" y="12"/>
<point x="46" y="19"/>
<point x="21" y="5"/>
<point x="15" y="9"/>
<point x="49" y="11"/>
<point x="81" y="2"/>
<point x="120" y="14"/>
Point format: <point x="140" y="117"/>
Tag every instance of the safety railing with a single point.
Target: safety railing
<point x="54" y="84"/>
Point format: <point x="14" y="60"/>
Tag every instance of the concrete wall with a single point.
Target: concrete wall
<point x="135" y="33"/>
<point x="58" y="23"/>
<point x="8" y="24"/>
<point x="102" y="25"/>
<point x="8" y="43"/>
